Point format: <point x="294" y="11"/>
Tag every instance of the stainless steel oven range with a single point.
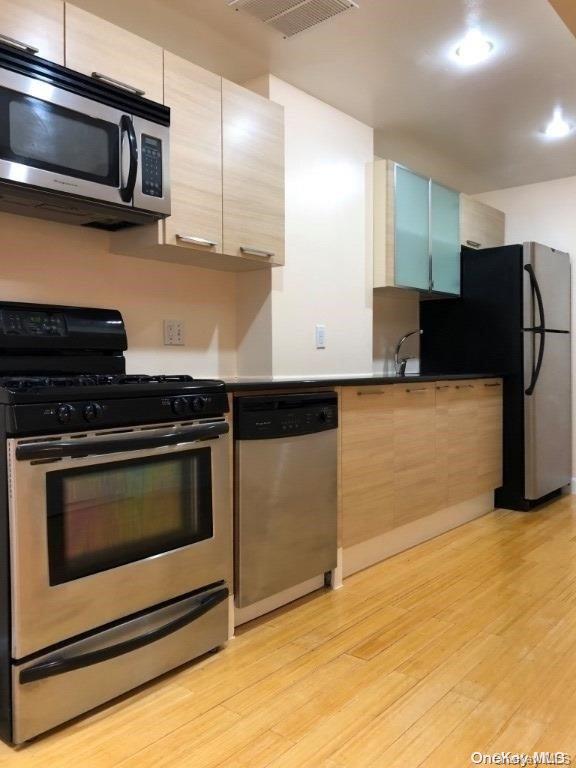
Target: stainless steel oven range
<point x="116" y="537"/>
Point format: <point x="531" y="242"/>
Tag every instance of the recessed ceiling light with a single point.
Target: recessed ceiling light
<point x="474" y="48"/>
<point x="558" y="127"/>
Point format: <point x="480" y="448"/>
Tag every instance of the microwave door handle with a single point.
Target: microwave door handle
<point x="60" y="666"/>
<point x="75" y="449"/>
<point x="127" y="132"/>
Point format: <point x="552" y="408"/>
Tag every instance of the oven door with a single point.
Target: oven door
<point x="55" y="139"/>
<point x="104" y="524"/>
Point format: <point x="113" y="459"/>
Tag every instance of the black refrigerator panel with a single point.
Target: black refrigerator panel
<point x="481" y="332"/>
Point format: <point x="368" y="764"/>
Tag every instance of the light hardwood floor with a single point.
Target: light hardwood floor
<point x="464" y="643"/>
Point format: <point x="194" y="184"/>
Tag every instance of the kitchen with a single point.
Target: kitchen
<point x="410" y="460"/>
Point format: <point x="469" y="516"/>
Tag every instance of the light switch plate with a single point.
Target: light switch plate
<point x="320" y="337"/>
<point x="173" y="333"/>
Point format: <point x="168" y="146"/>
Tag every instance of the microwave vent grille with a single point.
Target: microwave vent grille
<point x="290" y="17"/>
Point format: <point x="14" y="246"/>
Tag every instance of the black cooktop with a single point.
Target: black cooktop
<point x="64" y="367"/>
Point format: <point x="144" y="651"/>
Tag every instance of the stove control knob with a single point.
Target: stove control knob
<point x="92" y="411"/>
<point x="64" y="413"/>
<point x="179" y="406"/>
<point x="199" y="403"/>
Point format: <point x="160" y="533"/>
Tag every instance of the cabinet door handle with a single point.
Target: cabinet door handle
<point x="473" y="244"/>
<point x="464" y="386"/>
<point x="197" y="240"/>
<point x="18" y="44"/>
<point x="368" y="394"/>
<point x="118" y="83"/>
<point x="443" y="386"/>
<point x="249" y="251"/>
<point x="416" y="391"/>
<point x="495" y="384"/>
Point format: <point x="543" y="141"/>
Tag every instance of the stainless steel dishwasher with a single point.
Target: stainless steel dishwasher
<point x="286" y="491"/>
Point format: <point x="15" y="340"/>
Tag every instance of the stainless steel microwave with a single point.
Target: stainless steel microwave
<point x="77" y="149"/>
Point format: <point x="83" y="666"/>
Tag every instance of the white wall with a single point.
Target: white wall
<point x="61" y="264"/>
<point x="328" y="274"/>
<point x="396" y="313"/>
<point x="546" y="213"/>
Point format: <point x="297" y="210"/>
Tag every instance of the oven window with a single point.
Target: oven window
<point x="108" y="515"/>
<point x="45" y="136"/>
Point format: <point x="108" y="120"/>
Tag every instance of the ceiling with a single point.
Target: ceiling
<point x="389" y="65"/>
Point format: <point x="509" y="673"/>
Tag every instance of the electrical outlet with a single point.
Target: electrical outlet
<point x="320" y="337"/>
<point x="173" y="333"/>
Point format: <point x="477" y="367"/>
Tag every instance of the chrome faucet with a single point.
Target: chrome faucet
<point x="400" y="363"/>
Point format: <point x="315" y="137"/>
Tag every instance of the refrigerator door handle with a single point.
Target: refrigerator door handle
<point x="536" y="293"/>
<point x="541" y="334"/>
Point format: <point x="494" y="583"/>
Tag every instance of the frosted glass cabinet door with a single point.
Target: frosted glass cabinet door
<point x="445" y="237"/>
<point x="412" y="230"/>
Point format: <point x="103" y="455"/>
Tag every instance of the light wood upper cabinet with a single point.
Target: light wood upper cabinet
<point x="227" y="177"/>
<point x="194" y="96"/>
<point x="35" y="23"/>
<point x="416" y="487"/>
<point x="367" y="462"/>
<point x="481" y="226"/>
<point x="253" y="175"/>
<point x="93" y="45"/>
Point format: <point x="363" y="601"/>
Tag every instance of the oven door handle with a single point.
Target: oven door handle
<point x="60" y="666"/>
<point x="80" y="447"/>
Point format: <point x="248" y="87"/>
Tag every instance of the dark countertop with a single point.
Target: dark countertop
<point x="253" y="385"/>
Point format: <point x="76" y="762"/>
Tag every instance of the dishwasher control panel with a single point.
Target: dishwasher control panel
<point x="266" y="417"/>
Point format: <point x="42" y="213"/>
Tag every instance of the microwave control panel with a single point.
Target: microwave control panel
<point x="151" y="166"/>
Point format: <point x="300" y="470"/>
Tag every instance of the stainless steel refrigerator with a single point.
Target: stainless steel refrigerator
<point x="514" y="318"/>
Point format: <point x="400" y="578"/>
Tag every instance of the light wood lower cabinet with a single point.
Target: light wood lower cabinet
<point x="489" y="446"/>
<point x="416" y="490"/>
<point x="35" y="23"/>
<point x="367" y="462"/>
<point x="410" y="450"/>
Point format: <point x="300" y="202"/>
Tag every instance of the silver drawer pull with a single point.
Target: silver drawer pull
<point x="416" y="391"/>
<point x="18" y="44"/>
<point x="118" y="83"/>
<point x="464" y="386"/>
<point x="197" y="241"/>
<point x="495" y="384"/>
<point x="365" y="394"/>
<point x="473" y="244"/>
<point x="249" y="251"/>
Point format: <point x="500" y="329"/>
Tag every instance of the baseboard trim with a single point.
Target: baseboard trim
<point x="367" y="553"/>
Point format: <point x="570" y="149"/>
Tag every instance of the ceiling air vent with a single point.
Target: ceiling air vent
<point x="293" y="16"/>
